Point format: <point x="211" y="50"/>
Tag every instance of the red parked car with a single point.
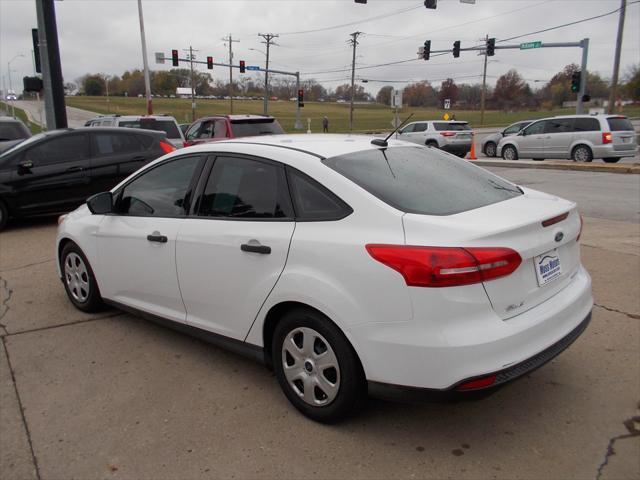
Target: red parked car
<point x="222" y="127"/>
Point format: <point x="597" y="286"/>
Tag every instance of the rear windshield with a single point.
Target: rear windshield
<point x="12" y="131"/>
<point x="421" y="180"/>
<point x="619" y="124"/>
<point x="251" y="128"/>
<point x="170" y="128"/>
<point x="440" y="126"/>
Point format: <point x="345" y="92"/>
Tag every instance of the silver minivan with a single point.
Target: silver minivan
<point x="578" y="137"/>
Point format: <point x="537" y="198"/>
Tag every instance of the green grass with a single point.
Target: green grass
<point x="367" y="118"/>
<point x="34" y="127"/>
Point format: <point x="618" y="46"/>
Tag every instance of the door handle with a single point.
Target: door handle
<point x="248" y="247"/>
<point x="156" y="237"/>
<point x="74" y="169"/>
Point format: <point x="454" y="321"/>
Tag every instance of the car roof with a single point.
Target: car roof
<point x="317" y="144"/>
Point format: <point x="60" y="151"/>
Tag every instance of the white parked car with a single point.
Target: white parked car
<point x="348" y="267"/>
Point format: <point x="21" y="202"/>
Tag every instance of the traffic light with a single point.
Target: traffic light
<point x="301" y="98"/>
<point x="210" y="63"/>
<point x="491" y="47"/>
<point x="456" y="49"/>
<point x="427" y="50"/>
<point x="575" y="82"/>
<point x="174" y="57"/>
<point x="431" y="4"/>
<point x="242" y="67"/>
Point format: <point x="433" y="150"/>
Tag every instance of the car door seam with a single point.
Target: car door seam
<point x="275" y="283"/>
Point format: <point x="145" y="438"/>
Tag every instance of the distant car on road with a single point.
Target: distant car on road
<point x="160" y="123"/>
<point x="578" y="137"/>
<point x="12" y="132"/>
<point x="490" y="142"/>
<point x="223" y="127"/>
<point x="57" y="170"/>
<point x="451" y="136"/>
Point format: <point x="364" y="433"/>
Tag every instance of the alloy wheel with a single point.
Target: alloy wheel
<point x="310" y="366"/>
<point x="77" y="277"/>
<point x="581" y="154"/>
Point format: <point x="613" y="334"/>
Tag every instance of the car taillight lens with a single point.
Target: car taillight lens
<point x="478" y="383"/>
<point x="606" y="137"/>
<point x="166" y="147"/>
<point x="580" y="232"/>
<point x="446" y="266"/>
<point x="447" y="134"/>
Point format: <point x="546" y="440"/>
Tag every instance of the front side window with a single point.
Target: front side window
<point x="408" y="128"/>
<point x="535" y="128"/>
<point x="245" y="188"/>
<point x="515" y="128"/>
<point x="422" y="180"/>
<point x="159" y="192"/>
<point x="193" y="131"/>
<point x="420" y="127"/>
<point x="69" y="148"/>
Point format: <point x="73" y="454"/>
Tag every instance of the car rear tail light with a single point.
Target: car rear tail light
<point x="447" y="134"/>
<point x="446" y="266"/>
<point x="166" y="147"/>
<point x="580" y="232"/>
<point x="606" y="138"/>
<point x="552" y="221"/>
<point x="478" y="383"/>
<point x="185" y="144"/>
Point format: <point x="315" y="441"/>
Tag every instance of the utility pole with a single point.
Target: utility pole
<point x="268" y="41"/>
<point x="583" y="76"/>
<point x="354" y="43"/>
<point x="230" y="41"/>
<point x="616" y="61"/>
<point x="484" y="83"/>
<point x="145" y="64"/>
<point x="192" y="57"/>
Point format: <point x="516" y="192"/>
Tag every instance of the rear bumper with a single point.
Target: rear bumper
<point x="611" y="151"/>
<point x="457" y="148"/>
<point x="412" y="394"/>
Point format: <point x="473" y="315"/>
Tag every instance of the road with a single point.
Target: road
<point x="110" y="395"/>
<point x="76" y="117"/>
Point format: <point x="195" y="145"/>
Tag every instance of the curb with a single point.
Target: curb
<point x="633" y="168"/>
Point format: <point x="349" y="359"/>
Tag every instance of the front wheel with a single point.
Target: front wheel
<point x="611" y="159"/>
<point x="316" y="366"/>
<point x="510" y="153"/>
<point x="4" y="215"/>
<point x="79" y="281"/>
<point x="490" y="149"/>
<point x="582" y="153"/>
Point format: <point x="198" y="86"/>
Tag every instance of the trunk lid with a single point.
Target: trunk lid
<point x="517" y="224"/>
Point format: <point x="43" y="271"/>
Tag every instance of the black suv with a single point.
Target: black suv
<point x="56" y="171"/>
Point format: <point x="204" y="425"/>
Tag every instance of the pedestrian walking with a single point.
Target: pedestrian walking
<point x="325" y="124"/>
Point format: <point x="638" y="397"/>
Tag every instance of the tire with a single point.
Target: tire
<point x="538" y="159"/>
<point x="79" y="280"/>
<point x="509" y="152"/>
<point x="302" y="339"/>
<point x="490" y="149"/>
<point x="432" y="144"/>
<point x="4" y="215"/>
<point x="582" y="153"/>
<point x="611" y="159"/>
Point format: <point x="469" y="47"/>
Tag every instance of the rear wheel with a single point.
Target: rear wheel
<point x="432" y="144"/>
<point x="509" y="152"/>
<point x="78" y="279"/>
<point x="4" y="215"/>
<point x="582" y="153"/>
<point x="490" y="149"/>
<point x="316" y="366"/>
<point x="611" y="159"/>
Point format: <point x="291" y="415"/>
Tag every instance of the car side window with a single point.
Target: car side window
<point x="247" y="189"/>
<point x="535" y="128"/>
<point x="116" y="144"/>
<point x="408" y="128"/>
<point x="206" y="129"/>
<point x="313" y="201"/>
<point x="220" y="129"/>
<point x="65" y="149"/>
<point x="586" y="125"/>
<point x="420" y="127"/>
<point x="193" y="131"/>
<point x="559" y="125"/>
<point x="160" y="191"/>
<point x="513" y="129"/>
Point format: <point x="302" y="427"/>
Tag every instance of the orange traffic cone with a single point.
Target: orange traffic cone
<point x="472" y="153"/>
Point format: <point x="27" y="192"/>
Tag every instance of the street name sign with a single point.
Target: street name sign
<point x="252" y="67"/>
<point x="528" y="45"/>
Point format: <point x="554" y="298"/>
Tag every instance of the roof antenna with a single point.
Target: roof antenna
<point x="383" y="143"/>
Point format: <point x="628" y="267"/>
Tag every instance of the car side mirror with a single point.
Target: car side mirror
<point x="100" y="203"/>
<point x="25" y="165"/>
<point x="523" y="133"/>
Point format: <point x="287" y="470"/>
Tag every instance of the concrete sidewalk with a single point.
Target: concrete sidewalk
<point x="595" y="166"/>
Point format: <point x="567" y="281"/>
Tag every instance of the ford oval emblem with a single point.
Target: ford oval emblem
<point x="559" y="236"/>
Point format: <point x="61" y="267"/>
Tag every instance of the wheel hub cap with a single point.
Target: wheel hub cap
<point x="310" y="366"/>
<point x="76" y="277"/>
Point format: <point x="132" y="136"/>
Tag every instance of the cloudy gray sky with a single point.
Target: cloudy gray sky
<point x="103" y="36"/>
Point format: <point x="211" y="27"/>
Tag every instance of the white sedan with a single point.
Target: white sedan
<point x="348" y="266"/>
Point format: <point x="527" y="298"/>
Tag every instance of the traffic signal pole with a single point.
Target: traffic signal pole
<point x="484" y="86"/>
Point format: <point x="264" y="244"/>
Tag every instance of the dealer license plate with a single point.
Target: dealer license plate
<point x="548" y="267"/>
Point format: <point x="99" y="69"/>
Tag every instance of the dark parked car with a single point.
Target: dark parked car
<point x="12" y="132"/>
<point x="223" y="127"/>
<point x="56" y="171"/>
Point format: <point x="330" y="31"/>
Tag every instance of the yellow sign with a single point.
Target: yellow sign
<point x="446" y="116"/>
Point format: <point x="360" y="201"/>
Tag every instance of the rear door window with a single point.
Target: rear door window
<point x="586" y="125"/>
<point x="619" y="124"/>
<point x="116" y="144"/>
<point x="421" y="180"/>
<point x="559" y="125"/>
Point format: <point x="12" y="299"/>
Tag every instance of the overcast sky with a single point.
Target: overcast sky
<point x="104" y="36"/>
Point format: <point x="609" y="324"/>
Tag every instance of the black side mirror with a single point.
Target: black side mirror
<point x="100" y="203"/>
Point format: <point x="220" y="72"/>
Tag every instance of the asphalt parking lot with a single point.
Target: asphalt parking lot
<point x="114" y="396"/>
